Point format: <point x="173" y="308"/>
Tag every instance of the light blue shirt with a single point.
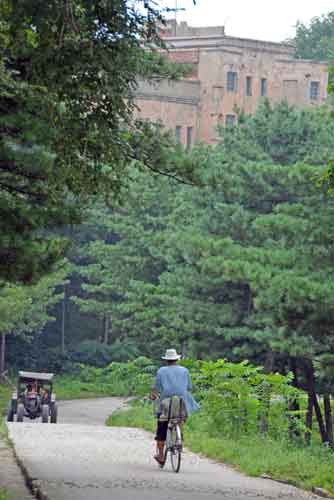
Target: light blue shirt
<point x="175" y="380"/>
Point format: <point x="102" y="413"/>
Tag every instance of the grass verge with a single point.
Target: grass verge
<point x="303" y="467"/>
<point x="5" y="394"/>
<point x="67" y="387"/>
<point x="4" y="495"/>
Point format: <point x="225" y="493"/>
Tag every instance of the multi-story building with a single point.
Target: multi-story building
<point x="228" y="74"/>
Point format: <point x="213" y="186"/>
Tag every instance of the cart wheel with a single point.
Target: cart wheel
<point x="54" y="413"/>
<point x="10" y="414"/>
<point x="45" y="414"/>
<point x="20" y="412"/>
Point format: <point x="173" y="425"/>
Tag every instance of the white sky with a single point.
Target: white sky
<point x="272" y="20"/>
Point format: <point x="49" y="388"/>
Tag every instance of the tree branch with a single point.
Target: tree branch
<point x="15" y="189"/>
<point x="171" y="176"/>
<point x="10" y="166"/>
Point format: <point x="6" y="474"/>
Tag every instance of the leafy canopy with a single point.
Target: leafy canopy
<point x="68" y="72"/>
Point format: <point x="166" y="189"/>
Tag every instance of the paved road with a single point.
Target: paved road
<point x="80" y="459"/>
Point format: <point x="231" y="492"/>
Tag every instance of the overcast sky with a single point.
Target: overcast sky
<point x="262" y="19"/>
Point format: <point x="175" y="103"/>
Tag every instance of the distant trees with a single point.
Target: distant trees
<point x="316" y="41"/>
<point x="24" y="310"/>
<point x="241" y="268"/>
<point x="68" y="135"/>
<point x="238" y="267"/>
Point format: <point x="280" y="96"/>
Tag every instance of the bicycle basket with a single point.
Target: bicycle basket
<point x="173" y="408"/>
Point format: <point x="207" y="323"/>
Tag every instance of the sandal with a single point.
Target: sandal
<point x="157" y="458"/>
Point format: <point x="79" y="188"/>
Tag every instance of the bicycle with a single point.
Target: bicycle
<point x="174" y="444"/>
<point x="174" y="416"/>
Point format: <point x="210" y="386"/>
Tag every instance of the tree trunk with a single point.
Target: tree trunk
<point x="328" y="419"/>
<point x="309" y="420"/>
<point x="250" y="301"/>
<point x="269" y="362"/>
<point x="183" y="348"/>
<point x="2" y="355"/>
<point x="320" y="419"/>
<point x="106" y="329"/>
<point x="63" y="321"/>
<point x="309" y="372"/>
<point x="293" y="404"/>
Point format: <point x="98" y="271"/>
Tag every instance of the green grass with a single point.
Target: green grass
<point x="303" y="467"/>
<point x="67" y="387"/>
<point x="4" y="495"/>
<point x="5" y="394"/>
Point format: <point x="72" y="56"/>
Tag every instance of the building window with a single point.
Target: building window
<point x="315" y="91"/>
<point x="249" y="85"/>
<point x="264" y="87"/>
<point x="232" y="81"/>
<point x="178" y="130"/>
<point x="230" y="120"/>
<point x="189" y="137"/>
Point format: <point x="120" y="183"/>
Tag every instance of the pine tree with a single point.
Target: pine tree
<point x="25" y="310"/>
<point x="68" y="74"/>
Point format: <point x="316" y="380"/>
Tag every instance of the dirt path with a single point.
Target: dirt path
<point x="81" y="459"/>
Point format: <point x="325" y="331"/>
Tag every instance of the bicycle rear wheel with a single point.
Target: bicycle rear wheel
<point x="176" y="448"/>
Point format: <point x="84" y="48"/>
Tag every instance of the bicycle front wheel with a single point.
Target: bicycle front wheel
<point x="176" y="448"/>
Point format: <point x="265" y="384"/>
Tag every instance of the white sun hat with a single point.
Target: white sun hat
<point x="171" y="355"/>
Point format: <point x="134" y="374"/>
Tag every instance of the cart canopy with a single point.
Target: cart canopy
<point x="33" y="376"/>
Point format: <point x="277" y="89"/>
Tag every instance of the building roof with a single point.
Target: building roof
<point x="45" y="377"/>
<point x="184" y="36"/>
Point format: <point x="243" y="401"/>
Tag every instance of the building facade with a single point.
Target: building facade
<point x="228" y="74"/>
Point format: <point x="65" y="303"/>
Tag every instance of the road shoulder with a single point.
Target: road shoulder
<point x="11" y="477"/>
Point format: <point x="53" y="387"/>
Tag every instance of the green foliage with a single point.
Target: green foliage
<point x="5" y="393"/>
<point x="240" y="268"/>
<point x="117" y="379"/>
<point x="4" y="495"/>
<point x="281" y="134"/>
<point x="240" y="398"/>
<point x="237" y="398"/>
<point x="316" y="40"/>
<point x="96" y="354"/>
<point x="68" y="131"/>
<point x="24" y="309"/>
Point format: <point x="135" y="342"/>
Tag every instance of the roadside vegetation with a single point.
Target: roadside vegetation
<point x="4" y="495"/>
<point x="116" y="379"/>
<point x="240" y="267"/>
<point x="305" y="467"/>
<point x="5" y="394"/>
<point x="246" y="420"/>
